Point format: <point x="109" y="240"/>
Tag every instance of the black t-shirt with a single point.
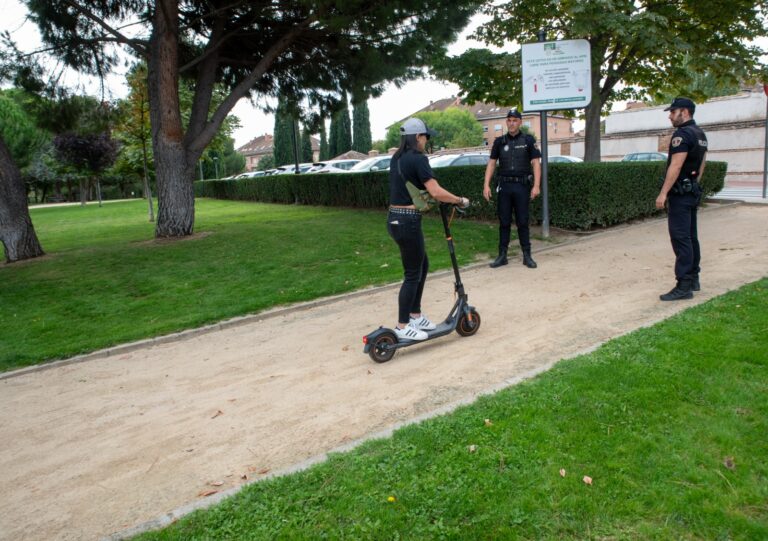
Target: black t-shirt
<point x="688" y="137"/>
<point x="414" y="167"/>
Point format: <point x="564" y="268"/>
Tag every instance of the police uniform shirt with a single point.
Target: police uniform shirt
<point x="509" y="145"/>
<point x="688" y="137"/>
<point x="414" y="167"/>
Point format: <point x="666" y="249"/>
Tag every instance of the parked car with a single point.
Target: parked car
<point x="376" y="163"/>
<point x="563" y="159"/>
<point x="644" y="157"/>
<point x="251" y="174"/>
<point x="332" y="166"/>
<point x="466" y="158"/>
<point x="291" y="168"/>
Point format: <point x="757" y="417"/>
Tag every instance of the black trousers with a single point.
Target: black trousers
<point x="683" y="232"/>
<point x="513" y="196"/>
<point x="405" y="229"/>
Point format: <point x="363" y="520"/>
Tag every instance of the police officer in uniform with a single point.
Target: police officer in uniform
<point x="517" y="182"/>
<point x="681" y="192"/>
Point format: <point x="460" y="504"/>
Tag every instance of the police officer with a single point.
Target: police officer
<point x="681" y="192"/>
<point x="517" y="182"/>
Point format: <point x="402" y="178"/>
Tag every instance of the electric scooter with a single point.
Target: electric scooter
<point x="382" y="343"/>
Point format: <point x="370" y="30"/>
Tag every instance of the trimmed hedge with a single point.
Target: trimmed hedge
<point x="581" y="195"/>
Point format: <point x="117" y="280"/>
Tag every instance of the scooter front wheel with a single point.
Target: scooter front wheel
<point x="380" y="350"/>
<point x="468" y="324"/>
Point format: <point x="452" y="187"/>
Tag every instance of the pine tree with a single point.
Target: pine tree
<point x="361" y="127"/>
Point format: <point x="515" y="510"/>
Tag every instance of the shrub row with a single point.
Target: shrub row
<point x="581" y="195"/>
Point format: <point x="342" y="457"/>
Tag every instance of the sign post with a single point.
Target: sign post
<point x="765" y="144"/>
<point x="557" y="75"/>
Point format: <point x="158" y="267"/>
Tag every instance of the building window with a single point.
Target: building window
<point x="497" y="127"/>
<point x="527" y="123"/>
<point x="485" y="129"/>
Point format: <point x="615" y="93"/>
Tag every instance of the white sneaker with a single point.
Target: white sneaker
<point x="422" y="323"/>
<point x="409" y="333"/>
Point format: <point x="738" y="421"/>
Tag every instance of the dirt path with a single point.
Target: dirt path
<point x="101" y="446"/>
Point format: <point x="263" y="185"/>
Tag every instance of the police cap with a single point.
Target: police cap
<point x="514" y="113"/>
<point x="682" y="103"/>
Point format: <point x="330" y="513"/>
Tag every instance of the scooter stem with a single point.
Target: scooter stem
<point x="449" y="239"/>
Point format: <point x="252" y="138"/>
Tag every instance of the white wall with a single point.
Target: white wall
<point x="741" y="107"/>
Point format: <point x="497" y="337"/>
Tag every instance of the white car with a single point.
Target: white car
<point x="377" y="163"/>
<point x="251" y="174"/>
<point x="291" y="168"/>
<point x="466" y="158"/>
<point x="563" y="159"/>
<point x="332" y="166"/>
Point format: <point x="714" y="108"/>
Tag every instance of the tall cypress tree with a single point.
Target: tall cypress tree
<point x="344" y="130"/>
<point x="324" y="150"/>
<point x="305" y="152"/>
<point x="283" y="137"/>
<point x="361" y="127"/>
<point x="333" y="137"/>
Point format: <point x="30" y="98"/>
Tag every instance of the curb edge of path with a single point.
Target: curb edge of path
<point x="122" y="349"/>
<point x="177" y="514"/>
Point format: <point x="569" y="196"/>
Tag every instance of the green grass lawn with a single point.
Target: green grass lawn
<point x="106" y="282"/>
<point x="670" y="422"/>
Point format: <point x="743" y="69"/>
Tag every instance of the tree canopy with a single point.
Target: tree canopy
<point x="639" y="49"/>
<point x="308" y="52"/>
<point x="456" y="128"/>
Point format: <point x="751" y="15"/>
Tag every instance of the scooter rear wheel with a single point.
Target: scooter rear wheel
<point x="467" y="326"/>
<point x="380" y="351"/>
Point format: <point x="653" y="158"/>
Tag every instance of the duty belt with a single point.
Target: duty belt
<point x="512" y="178"/>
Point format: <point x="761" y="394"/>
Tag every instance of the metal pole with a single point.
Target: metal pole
<point x="295" y="146"/>
<point x="200" y="163"/>
<point x="765" y="144"/>
<point x="216" y="165"/>
<point x="544" y="169"/>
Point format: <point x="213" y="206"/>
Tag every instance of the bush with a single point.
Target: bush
<point x="581" y="195"/>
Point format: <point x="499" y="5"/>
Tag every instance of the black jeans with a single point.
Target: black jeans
<point x="405" y="229"/>
<point x="517" y="196"/>
<point x="683" y="232"/>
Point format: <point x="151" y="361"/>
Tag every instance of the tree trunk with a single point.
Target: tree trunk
<point x="592" y="121"/>
<point x="16" y="230"/>
<point x="175" y="195"/>
<point x="147" y="187"/>
<point x="98" y="191"/>
<point x="83" y="192"/>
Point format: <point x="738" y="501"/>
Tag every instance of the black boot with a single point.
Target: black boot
<point x="528" y="260"/>
<point x="680" y="292"/>
<point x="501" y="260"/>
<point x="695" y="285"/>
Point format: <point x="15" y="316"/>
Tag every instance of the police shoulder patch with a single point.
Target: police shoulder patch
<point x="676" y="141"/>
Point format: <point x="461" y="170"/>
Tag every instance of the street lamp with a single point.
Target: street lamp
<point x="216" y="165"/>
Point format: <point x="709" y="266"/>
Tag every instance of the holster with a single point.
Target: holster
<point x="685" y="186"/>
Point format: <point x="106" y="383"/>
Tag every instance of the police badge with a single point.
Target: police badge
<point x="676" y="141"/>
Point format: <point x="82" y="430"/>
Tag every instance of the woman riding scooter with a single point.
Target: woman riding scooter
<point x="410" y="165"/>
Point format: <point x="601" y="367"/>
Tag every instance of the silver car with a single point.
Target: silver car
<point x="377" y="163"/>
<point x="332" y="166"/>
<point x="466" y="158"/>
